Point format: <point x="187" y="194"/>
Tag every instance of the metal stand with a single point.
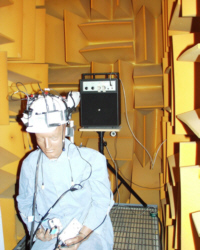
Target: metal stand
<point x="102" y="144"/>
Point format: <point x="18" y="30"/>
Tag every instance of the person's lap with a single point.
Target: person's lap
<point x="94" y="242"/>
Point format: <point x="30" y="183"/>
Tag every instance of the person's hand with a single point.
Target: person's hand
<point x="44" y="235"/>
<point x="75" y="242"/>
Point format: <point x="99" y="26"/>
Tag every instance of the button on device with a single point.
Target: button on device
<point x="104" y="88"/>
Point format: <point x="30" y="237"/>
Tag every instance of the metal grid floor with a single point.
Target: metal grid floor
<point x="134" y="228"/>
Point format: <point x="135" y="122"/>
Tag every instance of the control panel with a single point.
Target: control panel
<point x="99" y="86"/>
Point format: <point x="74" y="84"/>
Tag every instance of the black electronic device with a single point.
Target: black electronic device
<point x="100" y="100"/>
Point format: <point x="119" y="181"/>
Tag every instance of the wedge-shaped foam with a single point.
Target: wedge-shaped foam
<point x="148" y="86"/>
<point x="145" y="36"/>
<point x="100" y="10"/>
<point x="173" y="161"/>
<point x="108" y="53"/>
<point x="186" y="85"/>
<point x="122" y="9"/>
<point x="6" y="180"/>
<point x="179" y="23"/>
<point x="10" y="22"/>
<point x="74" y="38"/>
<point x="191" y="55"/>
<point x="6" y="157"/>
<point x="109" y="31"/>
<point x="192" y="120"/>
<point x="67" y="75"/>
<point x="55" y="44"/>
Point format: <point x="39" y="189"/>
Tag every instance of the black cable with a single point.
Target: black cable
<point x="34" y="202"/>
<point x="73" y="188"/>
<point x="64" y="246"/>
<point x="83" y="160"/>
<point x="140" y="185"/>
<point x="43" y="218"/>
<point x="87" y="163"/>
<point x="76" y="189"/>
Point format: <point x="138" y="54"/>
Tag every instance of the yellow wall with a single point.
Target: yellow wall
<point x="154" y="45"/>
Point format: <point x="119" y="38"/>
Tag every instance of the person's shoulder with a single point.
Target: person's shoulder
<point x="32" y="157"/>
<point x="29" y="163"/>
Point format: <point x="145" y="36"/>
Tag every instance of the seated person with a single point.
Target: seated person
<point x="60" y="182"/>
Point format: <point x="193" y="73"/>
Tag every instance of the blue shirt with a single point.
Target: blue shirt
<point x="89" y="204"/>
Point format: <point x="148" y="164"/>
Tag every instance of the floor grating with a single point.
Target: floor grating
<point x="135" y="228"/>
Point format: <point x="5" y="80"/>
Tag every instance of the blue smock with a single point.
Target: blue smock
<point x="89" y="204"/>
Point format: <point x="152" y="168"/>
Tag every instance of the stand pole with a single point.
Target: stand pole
<point x="101" y="150"/>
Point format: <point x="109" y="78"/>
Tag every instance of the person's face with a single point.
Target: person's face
<point x="51" y="143"/>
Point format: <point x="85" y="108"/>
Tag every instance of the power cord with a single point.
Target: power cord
<point x="116" y="169"/>
<point x="126" y="115"/>
<point x="116" y="172"/>
<point x="64" y="246"/>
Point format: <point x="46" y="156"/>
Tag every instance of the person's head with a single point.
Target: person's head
<point x="46" y="116"/>
<point x="52" y="143"/>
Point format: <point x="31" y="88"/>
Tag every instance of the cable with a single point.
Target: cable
<point x="17" y="83"/>
<point x="64" y="246"/>
<point x="140" y="185"/>
<point x="115" y="174"/>
<point x="29" y="145"/>
<point x="82" y="159"/>
<point x="70" y="94"/>
<point x="34" y="202"/>
<point x="72" y="188"/>
<point x="48" y="211"/>
<point x="15" y="100"/>
<point x="116" y="169"/>
<point x="20" y="91"/>
<point x="126" y="115"/>
<point x="40" y="87"/>
<point x="50" y="89"/>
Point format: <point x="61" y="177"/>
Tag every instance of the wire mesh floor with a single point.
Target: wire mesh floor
<point x="135" y="228"/>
